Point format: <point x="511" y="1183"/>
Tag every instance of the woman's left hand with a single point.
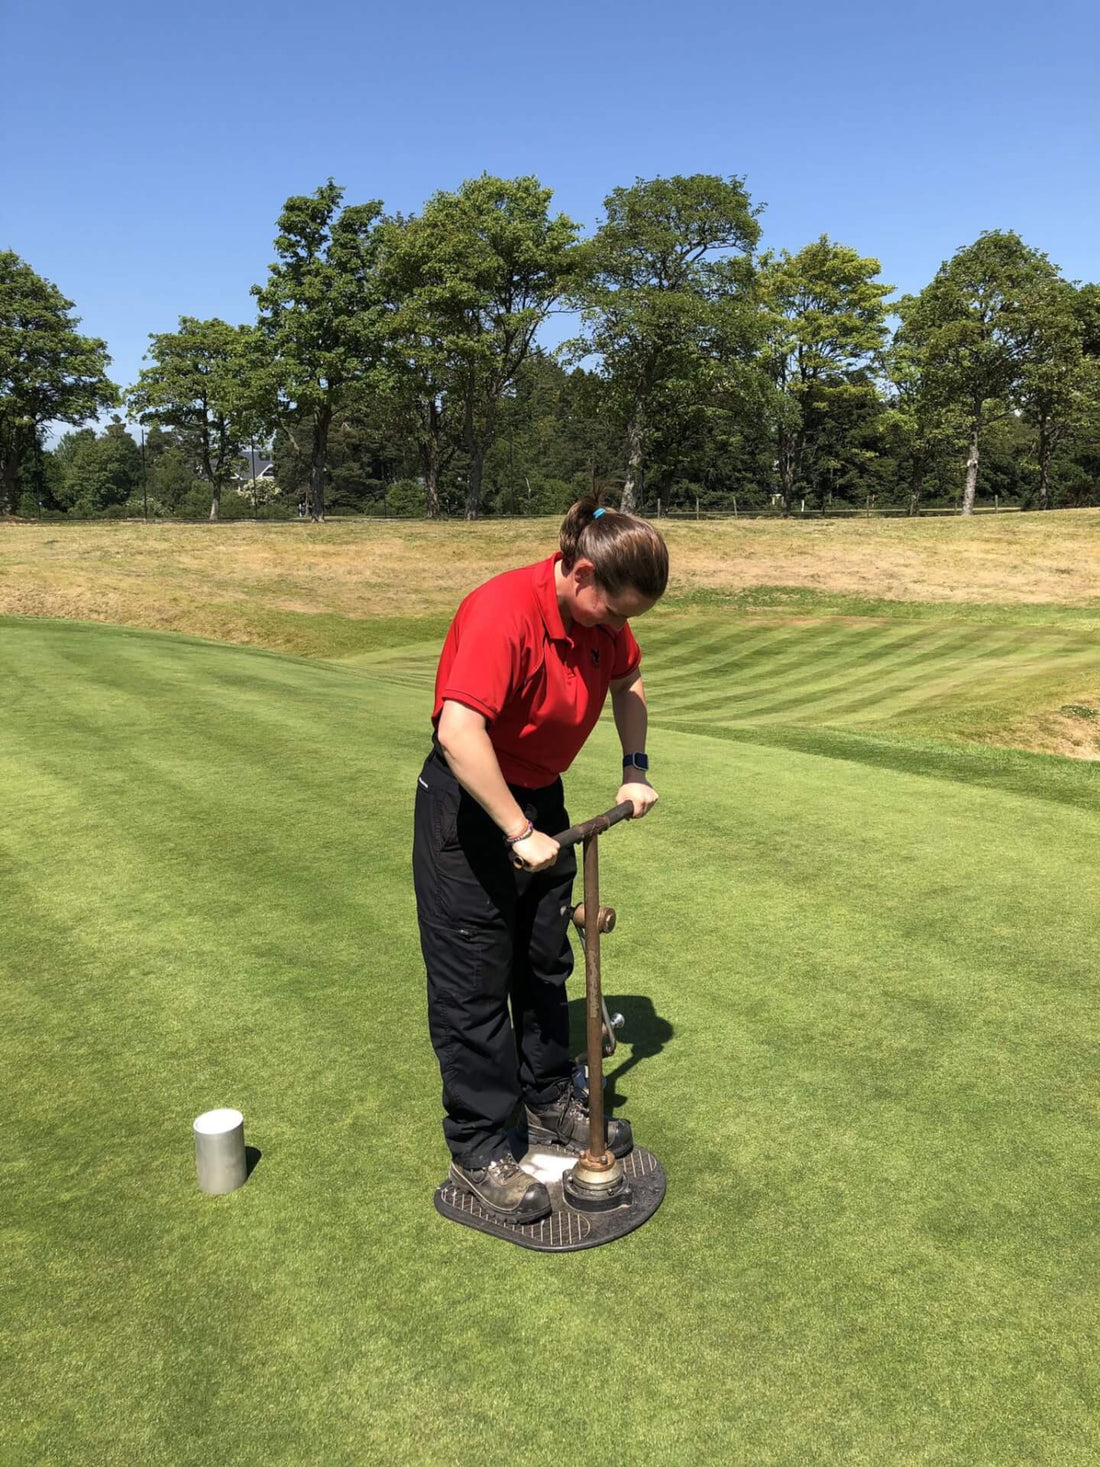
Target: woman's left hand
<point x="642" y="796"/>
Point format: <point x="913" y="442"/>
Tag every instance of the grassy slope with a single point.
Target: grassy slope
<point x="884" y="689"/>
<point x="355" y="590"/>
<point x="864" y="1015"/>
<point x="246" y="582"/>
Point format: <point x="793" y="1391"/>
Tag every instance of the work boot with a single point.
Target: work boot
<point x="564" y="1122"/>
<point x="504" y="1189"/>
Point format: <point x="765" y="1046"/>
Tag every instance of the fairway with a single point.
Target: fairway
<point x="857" y="966"/>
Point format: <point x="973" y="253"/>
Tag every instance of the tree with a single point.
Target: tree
<point x="320" y="315"/>
<point x="201" y="384"/>
<point x="364" y="454"/>
<point x="1059" y="382"/>
<point x="97" y="473"/>
<point x="1087" y="308"/>
<point x="917" y="431"/>
<point x="48" y="372"/>
<point x="170" y="470"/>
<point x="420" y="389"/>
<point x="470" y="281"/>
<point x="666" y="295"/>
<point x="823" y="318"/>
<point x="971" y="331"/>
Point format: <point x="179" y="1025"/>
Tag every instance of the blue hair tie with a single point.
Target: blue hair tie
<point x="599" y="512"/>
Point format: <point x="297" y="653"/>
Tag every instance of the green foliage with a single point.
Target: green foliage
<point x="203" y="383"/>
<point x="554" y="429"/>
<point x="406" y="497"/>
<point x="97" y="474"/>
<point x="362" y="454"/>
<point x="664" y="297"/>
<point x="539" y="494"/>
<point x="172" y="478"/>
<point x="320" y="319"/>
<point x="393" y="348"/>
<point x="920" y="437"/>
<point x="1059" y="388"/>
<point x="823" y="320"/>
<point x="468" y="282"/>
<point x="48" y="372"/>
<point x="970" y="325"/>
<point x="972" y="329"/>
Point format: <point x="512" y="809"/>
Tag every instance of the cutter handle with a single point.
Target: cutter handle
<point x="596" y="826"/>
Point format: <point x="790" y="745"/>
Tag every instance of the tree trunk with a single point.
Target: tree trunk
<point x="431" y="457"/>
<point x="971" y="485"/>
<point x="473" y="481"/>
<point x="633" y="461"/>
<point x="1046" y="450"/>
<point x="785" y="446"/>
<point x="476" y="447"/>
<point x="210" y="476"/>
<point x="916" y="482"/>
<point x="318" y="456"/>
<point x="431" y="483"/>
<point x="9" y="484"/>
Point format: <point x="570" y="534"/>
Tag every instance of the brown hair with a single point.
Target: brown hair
<point x="625" y="550"/>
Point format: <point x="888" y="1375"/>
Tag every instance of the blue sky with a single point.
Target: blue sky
<point x="148" y="148"/>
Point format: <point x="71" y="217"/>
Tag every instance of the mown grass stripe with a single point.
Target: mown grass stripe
<point x="1036" y="776"/>
<point x="856" y="659"/>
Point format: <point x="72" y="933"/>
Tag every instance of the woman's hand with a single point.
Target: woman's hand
<point x="537" y="853"/>
<point x="643" y="797"/>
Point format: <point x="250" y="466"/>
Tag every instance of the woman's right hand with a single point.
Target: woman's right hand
<point x="537" y="853"/>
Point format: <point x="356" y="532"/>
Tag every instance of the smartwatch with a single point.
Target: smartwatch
<point x="639" y="761"/>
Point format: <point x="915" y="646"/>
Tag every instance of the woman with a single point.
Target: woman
<point x="525" y="670"/>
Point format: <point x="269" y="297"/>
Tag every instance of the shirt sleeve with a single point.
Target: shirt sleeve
<point x="628" y="655"/>
<point x="487" y="666"/>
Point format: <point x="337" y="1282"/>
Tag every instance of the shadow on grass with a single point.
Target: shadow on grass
<point x="252" y="1156"/>
<point x="644" y="1031"/>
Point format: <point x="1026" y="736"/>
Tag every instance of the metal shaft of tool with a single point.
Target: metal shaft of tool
<point x="597" y="1153"/>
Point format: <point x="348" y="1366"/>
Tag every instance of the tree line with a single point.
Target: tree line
<point x="394" y="365"/>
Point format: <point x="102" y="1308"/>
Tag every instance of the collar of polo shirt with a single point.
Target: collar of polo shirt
<point x="548" y="602"/>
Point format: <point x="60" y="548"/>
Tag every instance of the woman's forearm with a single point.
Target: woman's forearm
<point x="631" y="716"/>
<point x="466" y="746"/>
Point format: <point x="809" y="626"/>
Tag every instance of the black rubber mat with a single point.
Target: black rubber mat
<point x="566" y="1229"/>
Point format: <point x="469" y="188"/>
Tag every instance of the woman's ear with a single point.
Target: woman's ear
<point x="584" y="574"/>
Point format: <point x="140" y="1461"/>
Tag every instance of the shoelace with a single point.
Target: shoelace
<point x="503" y="1168"/>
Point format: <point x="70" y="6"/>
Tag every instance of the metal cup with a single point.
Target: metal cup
<point x="219" y="1151"/>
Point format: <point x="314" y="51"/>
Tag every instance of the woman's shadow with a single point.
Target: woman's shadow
<point x="643" y="1030"/>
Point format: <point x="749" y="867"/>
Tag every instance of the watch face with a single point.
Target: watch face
<point x="640" y="761"/>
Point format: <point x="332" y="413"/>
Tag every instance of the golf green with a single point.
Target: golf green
<point x="857" y="962"/>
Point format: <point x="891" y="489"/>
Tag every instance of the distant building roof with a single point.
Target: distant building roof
<point x="263" y="462"/>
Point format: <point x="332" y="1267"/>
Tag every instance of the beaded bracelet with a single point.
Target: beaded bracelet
<point x="514" y="840"/>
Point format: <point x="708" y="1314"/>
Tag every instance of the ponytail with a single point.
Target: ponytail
<point x="626" y="551"/>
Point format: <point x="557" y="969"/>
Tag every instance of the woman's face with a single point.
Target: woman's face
<point x="591" y="605"/>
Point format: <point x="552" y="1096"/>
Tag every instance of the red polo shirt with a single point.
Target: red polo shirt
<point x="541" y="689"/>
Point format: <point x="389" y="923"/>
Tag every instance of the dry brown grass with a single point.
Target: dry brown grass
<point x="1070" y="735"/>
<point x="173" y="576"/>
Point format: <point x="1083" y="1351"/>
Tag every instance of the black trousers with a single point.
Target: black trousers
<point x="492" y="937"/>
